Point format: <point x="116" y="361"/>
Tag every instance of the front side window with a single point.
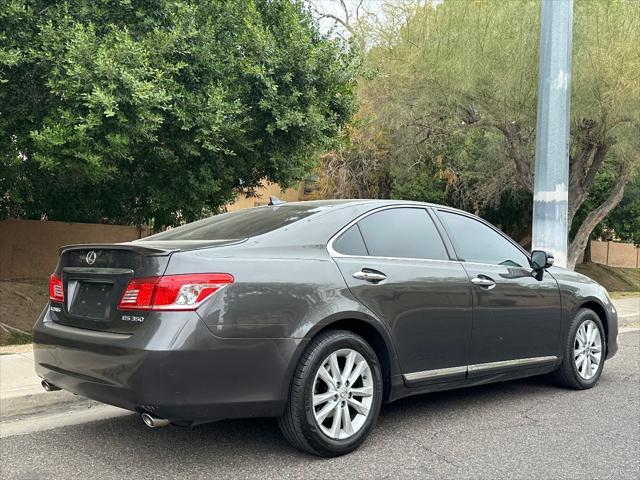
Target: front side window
<point x="402" y="233"/>
<point x="476" y="242"/>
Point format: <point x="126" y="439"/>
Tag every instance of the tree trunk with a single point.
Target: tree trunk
<point x="579" y="242"/>
<point x="580" y="183"/>
<point x="587" y="253"/>
<point x="589" y="158"/>
<point x="518" y="151"/>
<point x="582" y="176"/>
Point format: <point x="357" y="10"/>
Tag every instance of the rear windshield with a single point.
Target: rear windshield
<point x="241" y="224"/>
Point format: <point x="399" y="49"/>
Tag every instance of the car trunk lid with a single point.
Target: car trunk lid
<point x="95" y="276"/>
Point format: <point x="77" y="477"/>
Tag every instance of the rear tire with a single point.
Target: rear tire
<point x="340" y="373"/>
<point x="584" y="352"/>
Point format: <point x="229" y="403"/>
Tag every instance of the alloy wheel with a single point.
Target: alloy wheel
<point x="587" y="349"/>
<point x="342" y="394"/>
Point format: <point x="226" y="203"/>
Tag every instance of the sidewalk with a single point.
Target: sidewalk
<point x="17" y="377"/>
<point x="21" y="393"/>
<point x="628" y="310"/>
<point x="20" y="389"/>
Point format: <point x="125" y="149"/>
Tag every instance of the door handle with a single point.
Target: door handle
<point x="370" y="276"/>
<point x="483" y="281"/>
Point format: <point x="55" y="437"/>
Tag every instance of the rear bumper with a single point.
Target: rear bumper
<point x="172" y="366"/>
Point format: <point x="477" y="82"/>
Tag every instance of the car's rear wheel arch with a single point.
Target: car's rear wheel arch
<point x="373" y="334"/>
<point x="374" y="338"/>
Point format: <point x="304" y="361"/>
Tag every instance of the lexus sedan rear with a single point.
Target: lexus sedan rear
<point x="315" y="313"/>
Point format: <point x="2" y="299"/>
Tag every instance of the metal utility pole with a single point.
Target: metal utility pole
<point x="551" y="182"/>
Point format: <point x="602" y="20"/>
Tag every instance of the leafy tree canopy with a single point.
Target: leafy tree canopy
<point x="453" y="89"/>
<point x="160" y="110"/>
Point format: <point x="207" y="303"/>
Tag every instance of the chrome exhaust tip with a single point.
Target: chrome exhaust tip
<point x="49" y="387"/>
<point x="154" y="422"/>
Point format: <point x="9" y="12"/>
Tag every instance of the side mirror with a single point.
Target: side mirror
<point x="541" y="259"/>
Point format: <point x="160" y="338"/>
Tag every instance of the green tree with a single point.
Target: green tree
<point x="623" y="222"/>
<point x="161" y="111"/>
<point x="462" y="67"/>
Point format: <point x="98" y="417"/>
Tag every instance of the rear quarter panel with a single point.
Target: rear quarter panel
<point x="273" y="297"/>
<point x="276" y="298"/>
<point x="285" y="282"/>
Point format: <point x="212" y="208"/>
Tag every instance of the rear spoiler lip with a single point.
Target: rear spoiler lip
<point x="150" y="251"/>
<point x="154" y="249"/>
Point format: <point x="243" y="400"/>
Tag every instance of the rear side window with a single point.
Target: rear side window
<point x="351" y="243"/>
<point x="476" y="242"/>
<point x="402" y="233"/>
<point x="241" y="224"/>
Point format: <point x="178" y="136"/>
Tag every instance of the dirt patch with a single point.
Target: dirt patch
<point x="617" y="295"/>
<point x="21" y="302"/>
<point x="612" y="278"/>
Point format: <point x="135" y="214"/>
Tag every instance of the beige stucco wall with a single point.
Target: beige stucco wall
<point x="623" y="255"/>
<point x="289" y="195"/>
<point x="615" y="254"/>
<point x="599" y="252"/>
<point x="29" y="248"/>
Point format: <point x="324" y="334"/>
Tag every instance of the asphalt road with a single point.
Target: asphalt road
<point x="521" y="429"/>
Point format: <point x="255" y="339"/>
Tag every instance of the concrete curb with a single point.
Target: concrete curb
<point x="11" y="349"/>
<point x="58" y="415"/>
<point x="33" y="404"/>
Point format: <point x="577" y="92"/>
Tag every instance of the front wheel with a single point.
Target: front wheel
<point x="585" y="352"/>
<point x="335" y="395"/>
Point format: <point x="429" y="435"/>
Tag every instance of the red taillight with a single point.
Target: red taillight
<point x="56" y="292"/>
<point x="172" y="292"/>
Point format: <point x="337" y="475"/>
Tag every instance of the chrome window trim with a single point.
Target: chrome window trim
<point x="480" y="367"/>
<point x="494" y="265"/>
<point x="341" y="255"/>
<point x="335" y="254"/>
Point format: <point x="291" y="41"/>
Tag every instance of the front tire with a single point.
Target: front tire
<point x="335" y="395"/>
<point x="585" y="352"/>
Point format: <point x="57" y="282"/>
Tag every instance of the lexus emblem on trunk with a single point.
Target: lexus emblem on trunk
<point x="91" y="257"/>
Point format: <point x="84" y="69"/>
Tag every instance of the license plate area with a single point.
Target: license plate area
<point x="90" y="298"/>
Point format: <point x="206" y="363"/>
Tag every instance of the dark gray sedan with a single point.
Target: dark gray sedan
<point x="315" y="313"/>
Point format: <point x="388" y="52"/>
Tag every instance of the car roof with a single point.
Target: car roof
<point x="336" y="204"/>
<point x="357" y="201"/>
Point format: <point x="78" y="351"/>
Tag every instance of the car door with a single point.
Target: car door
<point x="516" y="316"/>
<point x="395" y="262"/>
